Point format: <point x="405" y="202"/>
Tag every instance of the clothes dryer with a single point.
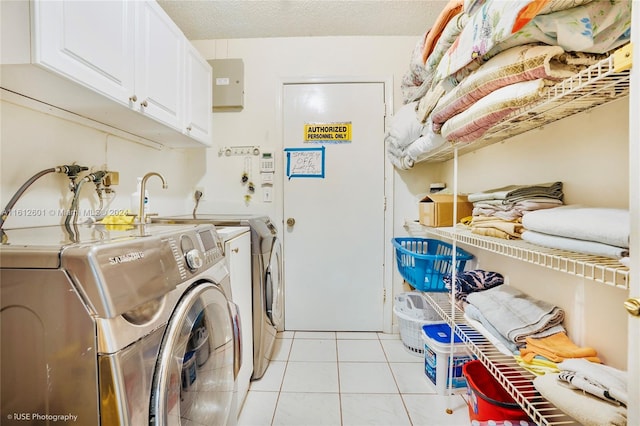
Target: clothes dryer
<point x="267" y="278"/>
<point x="103" y="326"/>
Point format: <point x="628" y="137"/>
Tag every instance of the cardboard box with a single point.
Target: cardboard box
<point x="437" y="209"/>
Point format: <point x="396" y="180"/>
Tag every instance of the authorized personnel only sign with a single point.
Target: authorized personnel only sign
<point x="327" y="132"/>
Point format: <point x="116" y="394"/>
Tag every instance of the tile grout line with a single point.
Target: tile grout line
<point x="339" y="387"/>
<point x="286" y="365"/>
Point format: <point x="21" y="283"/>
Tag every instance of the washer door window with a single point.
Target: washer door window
<point x="193" y="382"/>
<point x="273" y="285"/>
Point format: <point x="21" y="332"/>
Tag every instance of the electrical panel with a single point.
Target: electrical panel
<point x="228" y="84"/>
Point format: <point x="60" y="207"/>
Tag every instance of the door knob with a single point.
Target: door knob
<point x="291" y="221"/>
<point x="632" y="305"/>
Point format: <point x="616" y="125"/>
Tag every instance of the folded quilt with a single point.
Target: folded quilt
<point x="580" y="25"/>
<point x="601" y="380"/>
<point x="514" y="193"/>
<point x="414" y="77"/>
<point x="586" y="409"/>
<point x="556" y="348"/>
<point x="475" y="121"/>
<point x="575" y="245"/>
<point x="521" y="63"/>
<point x="451" y="9"/>
<point x="447" y="38"/>
<point x="604" y="225"/>
<point x="517" y="315"/>
<point x="491" y="24"/>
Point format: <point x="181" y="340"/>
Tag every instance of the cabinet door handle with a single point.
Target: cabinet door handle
<point x="235" y="250"/>
<point x="144" y="104"/>
<point x="133" y="98"/>
<point x="189" y="129"/>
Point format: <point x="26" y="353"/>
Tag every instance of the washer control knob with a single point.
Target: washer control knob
<point x="194" y="259"/>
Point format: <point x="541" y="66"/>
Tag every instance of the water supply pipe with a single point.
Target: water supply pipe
<point x="70" y="170"/>
<point x="96" y="178"/>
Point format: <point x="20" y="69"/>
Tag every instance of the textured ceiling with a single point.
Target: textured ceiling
<point x="224" y="19"/>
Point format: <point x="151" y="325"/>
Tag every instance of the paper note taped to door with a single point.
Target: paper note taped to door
<point x="327" y="132"/>
<point x="305" y="162"/>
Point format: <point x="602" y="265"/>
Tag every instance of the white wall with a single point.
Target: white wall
<point x="267" y="63"/>
<point x="32" y="141"/>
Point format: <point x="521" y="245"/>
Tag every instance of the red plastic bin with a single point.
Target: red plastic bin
<point x="487" y="399"/>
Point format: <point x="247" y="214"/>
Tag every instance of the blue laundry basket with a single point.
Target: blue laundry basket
<point x="423" y="262"/>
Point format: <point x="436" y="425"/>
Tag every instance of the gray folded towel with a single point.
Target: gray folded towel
<point x="517" y="315"/>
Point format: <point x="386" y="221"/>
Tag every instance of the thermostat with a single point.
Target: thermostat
<point x="267" y="163"/>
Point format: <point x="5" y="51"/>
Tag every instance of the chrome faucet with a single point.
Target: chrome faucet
<point x="142" y="217"/>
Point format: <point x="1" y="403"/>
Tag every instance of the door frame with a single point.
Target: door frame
<point x="387" y="82"/>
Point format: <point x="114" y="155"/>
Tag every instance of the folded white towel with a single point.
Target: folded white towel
<point x="603" y="225"/>
<point x="572" y="244"/>
<point x="610" y="382"/>
<point x="587" y="409"/>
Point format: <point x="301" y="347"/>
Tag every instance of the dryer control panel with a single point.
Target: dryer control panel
<point x="211" y="245"/>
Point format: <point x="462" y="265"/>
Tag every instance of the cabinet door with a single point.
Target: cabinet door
<point x="198" y="95"/>
<point x="89" y="42"/>
<point x="159" y="65"/>
<point x="238" y="256"/>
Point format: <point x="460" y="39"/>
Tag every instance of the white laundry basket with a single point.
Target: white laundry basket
<point x="413" y="311"/>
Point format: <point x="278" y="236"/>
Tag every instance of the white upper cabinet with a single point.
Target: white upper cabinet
<point x="121" y="63"/>
<point x="198" y="96"/>
<point x="89" y="42"/>
<point x="160" y="60"/>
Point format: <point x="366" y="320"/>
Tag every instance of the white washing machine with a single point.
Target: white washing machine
<point x="103" y="326"/>
<point x="237" y="250"/>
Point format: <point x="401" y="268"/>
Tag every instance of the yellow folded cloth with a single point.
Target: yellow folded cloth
<point x="556" y="348"/>
<point x="118" y="222"/>
<point x="537" y="366"/>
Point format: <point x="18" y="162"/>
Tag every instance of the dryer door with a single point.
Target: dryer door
<point x="195" y="371"/>
<point x="274" y="285"/>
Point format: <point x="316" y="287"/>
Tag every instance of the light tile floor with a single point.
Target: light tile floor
<point x="347" y="379"/>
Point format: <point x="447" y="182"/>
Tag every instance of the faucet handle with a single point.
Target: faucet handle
<point x="146" y="216"/>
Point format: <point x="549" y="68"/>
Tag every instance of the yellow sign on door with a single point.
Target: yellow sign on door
<point x="327" y="132"/>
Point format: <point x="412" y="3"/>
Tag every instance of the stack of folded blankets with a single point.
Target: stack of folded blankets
<point x="498" y="212"/>
<point x="569" y="376"/>
<point x="592" y="230"/>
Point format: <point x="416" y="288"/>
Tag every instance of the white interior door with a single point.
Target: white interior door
<point x="334" y="207"/>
